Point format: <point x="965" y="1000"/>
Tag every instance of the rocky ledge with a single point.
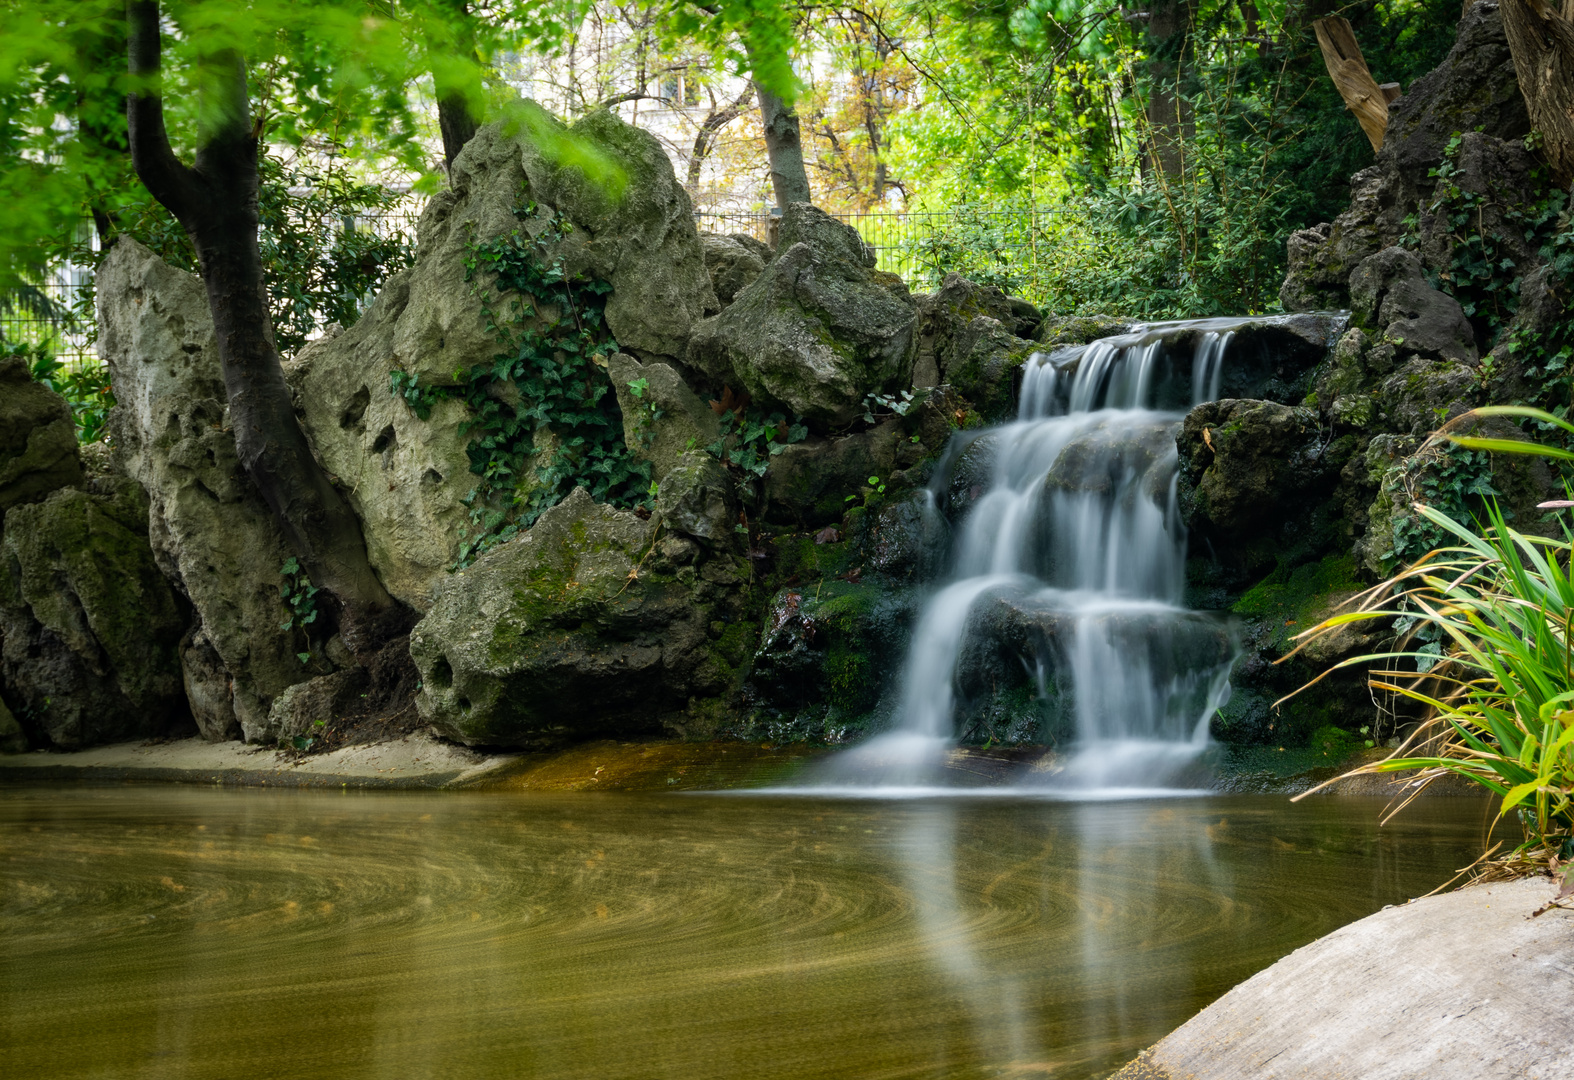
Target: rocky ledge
<point x="1470" y="985"/>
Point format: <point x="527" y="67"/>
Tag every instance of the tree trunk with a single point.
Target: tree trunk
<point x="1541" y="40"/>
<point x="215" y="200"/>
<point x="101" y="123"/>
<point x="783" y="149"/>
<point x="455" y="118"/>
<point x="1347" y="67"/>
<point x="1168" y="113"/>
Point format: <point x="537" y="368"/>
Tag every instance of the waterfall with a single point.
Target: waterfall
<point x="1076" y="539"/>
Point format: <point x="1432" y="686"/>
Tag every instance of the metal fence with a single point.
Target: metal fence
<point x="921" y="245"/>
<point x="918" y="245"/>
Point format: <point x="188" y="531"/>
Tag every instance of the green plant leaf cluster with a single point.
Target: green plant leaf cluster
<point x="300" y="597"/>
<point x="85" y="387"/>
<point x="749" y="438"/>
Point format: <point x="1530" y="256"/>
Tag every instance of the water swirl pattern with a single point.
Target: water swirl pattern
<point x="1077" y="535"/>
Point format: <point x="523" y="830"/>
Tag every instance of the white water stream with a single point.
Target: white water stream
<point x="1077" y="532"/>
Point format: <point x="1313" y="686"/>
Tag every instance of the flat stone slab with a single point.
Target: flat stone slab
<point x="1462" y="986"/>
<point x="416" y="761"/>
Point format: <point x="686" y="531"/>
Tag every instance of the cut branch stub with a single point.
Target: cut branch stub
<point x="1353" y="80"/>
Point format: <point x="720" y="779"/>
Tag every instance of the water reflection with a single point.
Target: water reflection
<point x="154" y="933"/>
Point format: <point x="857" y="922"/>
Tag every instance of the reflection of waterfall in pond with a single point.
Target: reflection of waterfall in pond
<point x="1076" y="542"/>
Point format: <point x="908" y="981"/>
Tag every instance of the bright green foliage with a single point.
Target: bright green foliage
<point x="553" y="369"/>
<point x="300" y="597"/>
<point x="1454" y="480"/>
<point x="85" y="388"/>
<point x="1486" y="648"/>
<point x="1043" y="104"/>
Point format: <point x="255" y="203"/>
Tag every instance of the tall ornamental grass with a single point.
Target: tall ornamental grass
<point x="1484" y="648"/>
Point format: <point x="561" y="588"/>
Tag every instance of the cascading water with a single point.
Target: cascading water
<point x="1076" y="540"/>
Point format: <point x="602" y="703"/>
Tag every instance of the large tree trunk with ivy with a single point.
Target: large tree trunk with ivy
<point x="1541" y="40"/>
<point x="215" y="200"/>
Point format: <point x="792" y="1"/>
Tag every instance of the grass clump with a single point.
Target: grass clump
<point x="1484" y="647"/>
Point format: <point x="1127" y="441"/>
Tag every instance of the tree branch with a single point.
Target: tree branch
<point x="169" y="181"/>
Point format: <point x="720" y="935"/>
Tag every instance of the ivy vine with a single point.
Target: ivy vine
<point x="543" y="417"/>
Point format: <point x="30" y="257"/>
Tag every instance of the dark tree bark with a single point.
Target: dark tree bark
<point x="1168" y="113"/>
<point x="783" y="149"/>
<point x="718" y="118"/>
<point x="454" y="117"/>
<point x="101" y="122"/>
<point x="1541" y="41"/>
<point x="215" y="200"/>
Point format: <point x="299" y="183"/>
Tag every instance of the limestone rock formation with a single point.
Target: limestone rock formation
<point x="91" y="629"/>
<point x="589" y="624"/>
<point x="406" y="477"/>
<point x="733" y="263"/>
<point x="1388" y="291"/>
<point x="1474" y="91"/>
<point x="607" y="187"/>
<point x="665" y="419"/>
<point x="211" y="533"/>
<point x="38" y="444"/>
<point x="808" y="482"/>
<point x="1242" y="462"/>
<point x="974" y="337"/>
<point x="696" y="500"/>
<point x="817" y="330"/>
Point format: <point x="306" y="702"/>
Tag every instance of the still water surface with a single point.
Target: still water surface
<point x="190" y="933"/>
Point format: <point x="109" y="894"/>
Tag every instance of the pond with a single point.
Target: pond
<point x="171" y="933"/>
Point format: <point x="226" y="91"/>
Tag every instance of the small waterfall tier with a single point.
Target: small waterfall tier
<point x="1067" y="553"/>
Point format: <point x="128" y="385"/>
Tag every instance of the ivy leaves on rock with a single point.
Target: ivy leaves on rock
<point x="543" y="418"/>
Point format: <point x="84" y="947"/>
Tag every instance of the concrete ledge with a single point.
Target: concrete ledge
<point x="416" y="761"/>
<point x="1463" y="986"/>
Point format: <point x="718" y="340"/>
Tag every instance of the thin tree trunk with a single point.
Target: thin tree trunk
<point x="783" y="149"/>
<point x="705" y="137"/>
<point x="455" y="118"/>
<point x="101" y="123"/>
<point x="1541" y="41"/>
<point x="215" y="200"/>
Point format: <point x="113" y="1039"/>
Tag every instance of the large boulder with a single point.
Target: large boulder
<point x="405" y="475"/>
<point x="808" y="483"/>
<point x="210" y="530"/>
<point x="589" y="624"/>
<point x="607" y="187"/>
<point x="1389" y="293"/>
<point x="1242" y="462"/>
<point x="38" y="444"/>
<point x="818" y="329"/>
<point x="733" y="263"/>
<point x="974" y="338"/>
<point x="91" y="629"/>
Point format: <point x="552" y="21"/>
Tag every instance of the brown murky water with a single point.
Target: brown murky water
<point x="169" y="933"/>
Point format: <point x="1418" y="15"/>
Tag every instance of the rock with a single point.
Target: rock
<point x="405" y="477"/>
<point x="578" y="628"/>
<point x="732" y="265"/>
<point x="1059" y="330"/>
<point x="630" y="224"/>
<point x="1425" y="394"/>
<point x="906" y="539"/>
<point x="210" y="531"/>
<point x="91" y="628"/>
<point x="684" y="422"/>
<point x="38" y="442"/>
<point x="808" y="482"/>
<point x="1244" y="460"/>
<point x="1473" y="91"/>
<point x="817" y="330"/>
<point x="207" y="684"/>
<point x="1103" y="457"/>
<point x="696" y="499"/>
<point x="13" y="740"/>
<point x="1389" y="293"/>
<point x="1442" y="1008"/>
<point x="306" y="709"/>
